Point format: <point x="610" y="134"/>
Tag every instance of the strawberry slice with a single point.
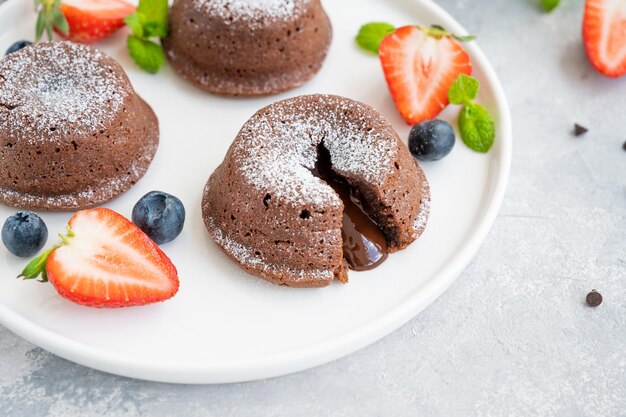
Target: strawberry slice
<point x="604" y="35"/>
<point x="92" y="20"/>
<point x="420" y="65"/>
<point x="106" y="261"/>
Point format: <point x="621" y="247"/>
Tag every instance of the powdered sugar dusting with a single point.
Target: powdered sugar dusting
<point x="59" y="85"/>
<point x="249" y="11"/>
<point x="424" y="211"/>
<point x="277" y="148"/>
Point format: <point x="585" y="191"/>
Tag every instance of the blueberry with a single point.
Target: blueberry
<point x="17" y="46"/>
<point x="431" y="140"/>
<point x="160" y="215"/>
<point x="24" y="234"/>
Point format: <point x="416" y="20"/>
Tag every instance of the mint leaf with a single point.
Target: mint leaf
<point x="135" y="23"/>
<point x="149" y="21"/>
<point x="463" y="90"/>
<point x="148" y="55"/>
<point x="372" y="34"/>
<point x="153" y="11"/>
<point x="154" y="28"/>
<point x="549" y="5"/>
<point x="478" y="129"/>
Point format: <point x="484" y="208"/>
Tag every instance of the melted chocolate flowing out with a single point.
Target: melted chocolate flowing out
<point x="364" y="244"/>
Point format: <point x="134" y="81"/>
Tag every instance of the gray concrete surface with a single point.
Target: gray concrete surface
<point x="513" y="336"/>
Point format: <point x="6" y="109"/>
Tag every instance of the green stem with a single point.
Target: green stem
<point x="439" y="32"/>
<point x="47" y="4"/>
<point x="36" y="268"/>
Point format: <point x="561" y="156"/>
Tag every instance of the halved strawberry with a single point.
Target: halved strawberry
<point x="106" y="261"/>
<point x="604" y="35"/>
<point x="420" y="65"/>
<point x="92" y="20"/>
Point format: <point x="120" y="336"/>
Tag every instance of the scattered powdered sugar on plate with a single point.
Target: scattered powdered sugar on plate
<point x="249" y="10"/>
<point x="277" y="148"/>
<point x="59" y="85"/>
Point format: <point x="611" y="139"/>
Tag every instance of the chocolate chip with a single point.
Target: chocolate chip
<point x="579" y="130"/>
<point x="594" y="298"/>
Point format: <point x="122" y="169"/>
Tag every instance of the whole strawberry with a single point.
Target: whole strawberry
<point x="106" y="261"/>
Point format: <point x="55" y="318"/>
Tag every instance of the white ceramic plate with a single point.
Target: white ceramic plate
<point x="224" y="325"/>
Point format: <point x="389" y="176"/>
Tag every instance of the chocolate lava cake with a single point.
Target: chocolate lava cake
<point x="73" y="133"/>
<point x="247" y="47"/>
<point x="312" y="186"/>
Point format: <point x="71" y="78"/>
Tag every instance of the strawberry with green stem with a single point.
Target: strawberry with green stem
<point x="419" y="63"/>
<point x="426" y="69"/>
<point x="105" y="261"/>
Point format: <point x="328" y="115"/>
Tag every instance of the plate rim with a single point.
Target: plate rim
<point x="307" y="357"/>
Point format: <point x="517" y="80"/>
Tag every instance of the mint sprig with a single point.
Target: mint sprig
<point x="550" y="5"/>
<point x="464" y="90"/>
<point x="49" y="17"/>
<point x="148" y="22"/>
<point x="147" y="54"/>
<point x="477" y="127"/>
<point x="371" y="35"/>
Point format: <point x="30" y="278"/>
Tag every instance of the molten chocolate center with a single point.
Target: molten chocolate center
<point x="364" y="244"/>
